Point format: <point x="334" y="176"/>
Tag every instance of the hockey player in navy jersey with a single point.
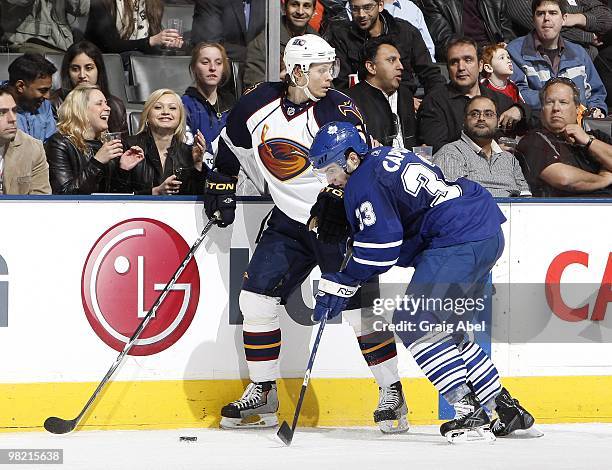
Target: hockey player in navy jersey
<point x="268" y="134"/>
<point x="403" y="212"/>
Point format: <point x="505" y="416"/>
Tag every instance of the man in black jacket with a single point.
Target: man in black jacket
<point x="485" y="21"/>
<point x="226" y="21"/>
<point x="370" y="19"/>
<point x="385" y="103"/>
<point x="440" y="117"/>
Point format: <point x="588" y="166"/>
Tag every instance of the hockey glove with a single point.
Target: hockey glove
<point x="329" y="216"/>
<point x="335" y="290"/>
<point x="220" y="195"/>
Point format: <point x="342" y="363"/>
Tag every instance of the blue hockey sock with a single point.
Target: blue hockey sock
<point x="482" y="374"/>
<point x="440" y="360"/>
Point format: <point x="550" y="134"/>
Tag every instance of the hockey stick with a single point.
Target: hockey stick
<point x="285" y="433"/>
<point x="57" y="425"/>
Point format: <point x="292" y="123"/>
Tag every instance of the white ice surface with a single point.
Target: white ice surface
<point x="566" y="446"/>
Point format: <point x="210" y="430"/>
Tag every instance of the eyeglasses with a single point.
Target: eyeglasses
<point x="487" y="113"/>
<point x="367" y="8"/>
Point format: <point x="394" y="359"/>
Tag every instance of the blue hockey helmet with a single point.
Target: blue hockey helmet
<point x="332" y="144"/>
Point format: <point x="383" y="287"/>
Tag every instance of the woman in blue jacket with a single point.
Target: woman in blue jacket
<point x="206" y="104"/>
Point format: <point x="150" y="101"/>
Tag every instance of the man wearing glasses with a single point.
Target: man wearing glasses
<point x="477" y="157"/>
<point x="561" y="159"/>
<point x="370" y="20"/>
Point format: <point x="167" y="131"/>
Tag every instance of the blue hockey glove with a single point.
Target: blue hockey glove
<point x="335" y="290"/>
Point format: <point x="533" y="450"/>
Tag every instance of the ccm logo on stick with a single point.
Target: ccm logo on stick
<point x="553" y="288"/>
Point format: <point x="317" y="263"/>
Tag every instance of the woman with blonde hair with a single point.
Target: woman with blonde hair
<point x="170" y="166"/>
<point x="78" y="162"/>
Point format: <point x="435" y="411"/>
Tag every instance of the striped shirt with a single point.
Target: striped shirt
<point x="501" y="174"/>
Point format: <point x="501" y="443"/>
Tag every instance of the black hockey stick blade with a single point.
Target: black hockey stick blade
<point x="57" y="425"/>
<point x="285" y="433"/>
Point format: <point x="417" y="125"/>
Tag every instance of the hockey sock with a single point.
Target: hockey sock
<point x="482" y="374"/>
<point x="441" y="362"/>
<point x="379" y="351"/>
<point x="262" y="350"/>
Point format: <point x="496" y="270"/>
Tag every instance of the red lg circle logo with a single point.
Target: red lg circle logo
<point x="125" y="271"/>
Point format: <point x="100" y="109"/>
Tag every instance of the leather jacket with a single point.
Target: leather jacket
<point x="72" y="171"/>
<point x="150" y="173"/>
<point x="444" y="20"/>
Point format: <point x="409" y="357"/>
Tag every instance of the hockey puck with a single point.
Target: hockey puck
<point x="188" y="438"/>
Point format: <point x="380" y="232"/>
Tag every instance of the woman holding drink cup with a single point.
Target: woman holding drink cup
<point x="79" y="163"/>
<point x="171" y="166"/>
<point x="130" y="25"/>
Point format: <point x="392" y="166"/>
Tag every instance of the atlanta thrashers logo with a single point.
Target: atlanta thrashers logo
<point x="283" y="158"/>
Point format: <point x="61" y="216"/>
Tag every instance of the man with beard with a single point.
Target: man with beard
<point x="370" y="20"/>
<point x="30" y="84"/>
<point x="477" y="157"/>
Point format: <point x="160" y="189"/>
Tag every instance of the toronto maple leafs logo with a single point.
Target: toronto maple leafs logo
<point x="332" y="130"/>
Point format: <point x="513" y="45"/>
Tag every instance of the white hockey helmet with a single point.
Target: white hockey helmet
<point x="307" y="50"/>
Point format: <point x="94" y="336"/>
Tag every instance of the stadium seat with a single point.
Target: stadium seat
<point x="5" y="61"/>
<point x="117" y="81"/>
<point x="134" y="121"/>
<point x="602" y="125"/>
<point x="153" y="72"/>
<point x="56" y="59"/>
<point x="182" y="12"/>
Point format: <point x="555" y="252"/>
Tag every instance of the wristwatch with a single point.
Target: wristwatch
<point x="588" y="144"/>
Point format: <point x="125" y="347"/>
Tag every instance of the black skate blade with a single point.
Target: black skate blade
<point x="57" y="425"/>
<point x="285" y="434"/>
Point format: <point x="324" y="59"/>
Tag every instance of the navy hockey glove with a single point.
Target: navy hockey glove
<point x="329" y="216"/>
<point x="220" y="195"/>
<point x="335" y="290"/>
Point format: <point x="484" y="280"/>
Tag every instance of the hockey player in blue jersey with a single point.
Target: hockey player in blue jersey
<point x="267" y="135"/>
<point x="402" y="212"/>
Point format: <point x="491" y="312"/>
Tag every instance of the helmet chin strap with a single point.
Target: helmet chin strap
<point x="305" y="89"/>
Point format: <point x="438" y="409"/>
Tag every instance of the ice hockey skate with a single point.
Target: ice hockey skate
<point x="256" y="408"/>
<point x="391" y="413"/>
<point x="471" y="423"/>
<point x="513" y="420"/>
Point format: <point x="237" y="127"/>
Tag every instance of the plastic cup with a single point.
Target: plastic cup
<point x="175" y="23"/>
<point x="424" y="151"/>
<point x="110" y="136"/>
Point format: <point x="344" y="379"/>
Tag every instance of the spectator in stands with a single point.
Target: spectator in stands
<point x="370" y="20"/>
<point x="39" y="26"/>
<point x="23" y="165"/>
<point x="407" y="10"/>
<point x="127" y="26"/>
<point x="586" y="21"/>
<point x="477" y="157"/>
<point x="484" y="21"/>
<point x="561" y="159"/>
<point x="170" y="165"/>
<point x="543" y="53"/>
<point x="78" y="162"/>
<point x="334" y="11"/>
<point x="440" y="117"/>
<point x="83" y="63"/>
<point x="294" y="22"/>
<point x="207" y="103"/>
<point x="30" y="84"/>
<point x="497" y="68"/>
<point x="384" y="101"/>
<point x="233" y="23"/>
